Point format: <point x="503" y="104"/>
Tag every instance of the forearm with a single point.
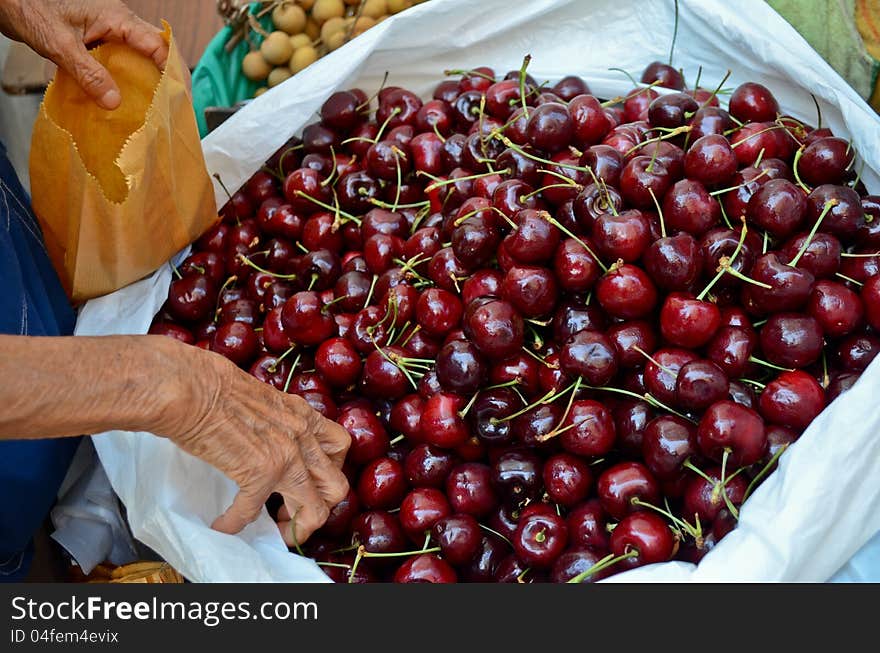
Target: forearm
<point x="56" y="387"/>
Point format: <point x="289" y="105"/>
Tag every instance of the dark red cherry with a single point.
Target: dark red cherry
<point x="236" y="341"/>
<point x="589" y="355"/>
<point x="425" y="568"/>
<point x="570" y="87"/>
<point x="470" y="490"/>
<point x="379" y="532"/>
<point x="535" y="238"/>
<point x="540" y="539"/>
<point x="428" y="466"/>
<point x="381" y="484"/>
<point x="641" y="178"/>
<point x="305" y="320"/>
<point x="567" y="479"/>
<point x="338" y="362"/>
<point x="626" y="292"/>
<point x="482" y="567"/>
<point x="661" y="372"/>
<point x="710" y="160"/>
<point x="460" y="367"/>
<point x="778" y="207"/>
<point x="821" y="257"/>
<point x="631" y="416"/>
<point x="630" y="337"/>
<point x="836" y="308"/>
<point x="489" y="411"/>
<point x="751" y="102"/>
<point x="624" y="236"/>
<point x="856" y="351"/>
<point x="590" y="121"/>
<point x="531" y="290"/>
<point x="550" y="127"/>
<point x="792" y="399"/>
<point x="845" y="216"/>
<point x="441" y="423"/>
<point x="191" y="298"/>
<point x="671" y="110"/>
<point x="791" y="340"/>
<point x="459" y="538"/>
<point x="730" y="349"/>
<point x="667" y="443"/>
<point x="703" y="498"/>
<point x="495" y="327"/>
<point x="576" y="269"/>
<point x="420" y="510"/>
<point x="789" y="289"/>
<point x="517" y="477"/>
<point x="709" y="120"/>
<point x="700" y="384"/>
<point x="730" y="426"/>
<point x="588" y="429"/>
<point x="646" y="534"/>
<point x="369" y="439"/>
<point x="689" y="207"/>
<point x="826" y="161"/>
<point x="438" y="311"/>
<point x="688" y="322"/>
<point x="674" y="262"/>
<point x="623" y="485"/>
<point x="586" y="525"/>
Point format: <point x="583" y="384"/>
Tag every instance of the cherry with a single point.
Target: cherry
<point x="826" y="161"/>
<point x="846" y="215"/>
<point x="703" y="499"/>
<point x="710" y="160"/>
<point x="661" y="372"/>
<point x="428" y="466"/>
<point x="425" y="568"/>
<point x="730" y="349"/>
<point x="494" y="326"/>
<point x="709" y="120"/>
<point x="688" y="322"/>
<point x="836" y="308"/>
<point x="305" y="320"/>
<point x="792" y="399"/>
<point x="623" y="236"/>
<point x="338" y="362"/>
<point x="626" y="292"/>
<point x="379" y="532"/>
<point x="870" y="296"/>
<point x="664" y="75"/>
<point x="789" y="290"/>
<point x="635" y="106"/>
<point x="567" y="479"/>
<point x="441" y="423"/>
<point x="420" y="510"/>
<point x="172" y="330"/>
<point x="550" y="127"/>
<point x="621" y="486"/>
<point x="531" y="290"/>
<point x="857" y="351"/>
<point x="821" y="258"/>
<point x="605" y="162"/>
<point x="575" y="267"/>
<point x="728" y="426"/>
<point x="398" y="107"/>
<point x="630" y="337"/>
<point x="631" y="416"/>
<point x="237" y="341"/>
<point x="667" y="443"/>
<point x="839" y="384"/>
<point x="689" y="207"/>
<point x="586" y="526"/>
<point x="369" y="439"/>
<point x="316" y="138"/>
<point x="700" y="384"/>
<point x="482" y="567"/>
<point x="488" y="412"/>
<point x="590" y="122"/>
<point x="592" y="201"/>
<point x="535" y="239"/>
<point x="778" y="207"/>
<point x="576" y="561"/>
<point x="671" y="110"/>
<point x="469" y="489"/>
<point x="569" y="87"/>
<point x="355" y="190"/>
<point x="590" y="355"/>
<point x="641" y="178"/>
<point x="791" y="340"/>
<point x="517" y="477"/>
<point x="438" y="311"/>
<point x="751" y="102"/>
<point x="645" y="534"/>
<point x="674" y="262"/>
<point x="381" y="484"/>
<point x="458" y="536"/>
<point x="588" y="429"/>
<point x="341" y="516"/>
<point x="540" y="539"/>
<point x="460" y="368"/>
<point x="191" y="298"/>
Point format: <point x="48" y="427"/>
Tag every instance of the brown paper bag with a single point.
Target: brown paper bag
<point x="119" y="192"/>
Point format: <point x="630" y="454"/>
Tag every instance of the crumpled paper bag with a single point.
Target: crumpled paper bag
<point x="117" y="193"/>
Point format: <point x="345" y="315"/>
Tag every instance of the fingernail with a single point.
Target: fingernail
<point x="111" y="99"/>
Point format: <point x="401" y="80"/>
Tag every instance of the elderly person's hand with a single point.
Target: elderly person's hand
<point x="265" y="440"/>
<point x="60" y="30"/>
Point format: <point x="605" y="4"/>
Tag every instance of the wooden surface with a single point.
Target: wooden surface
<point x="195" y="22"/>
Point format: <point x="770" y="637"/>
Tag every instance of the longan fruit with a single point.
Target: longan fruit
<point x="396" y="6"/>
<point x="260" y="91"/>
<point x="255" y="67"/>
<point x="363" y="24"/>
<point x="335" y="41"/>
<point x="299" y="40"/>
<point x="276" y="48"/>
<point x="326" y="9"/>
<point x="303" y="57"/>
<point x="333" y="25"/>
<point x="278" y="75"/>
<point x="306" y="4"/>
<point x="289" y="18"/>
<point x="374" y="8"/>
<point x="312" y="29"/>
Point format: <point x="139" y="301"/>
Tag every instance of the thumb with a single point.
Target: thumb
<point x="245" y="508"/>
<point x="92" y="77"/>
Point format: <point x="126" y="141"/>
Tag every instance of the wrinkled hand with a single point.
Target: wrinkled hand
<point x="60" y="30"/>
<point x="265" y="440"/>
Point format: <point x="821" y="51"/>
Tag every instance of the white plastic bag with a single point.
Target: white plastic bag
<point x="805" y="521"/>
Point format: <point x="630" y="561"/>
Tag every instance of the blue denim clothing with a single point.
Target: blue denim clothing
<point x="32" y="302"/>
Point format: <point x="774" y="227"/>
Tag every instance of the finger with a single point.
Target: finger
<point x="91" y="76"/>
<point x="283" y="514"/>
<point x="306" y="507"/>
<point x="245" y="508"/>
<point x="334" y="440"/>
<point x="307" y="519"/>
<point x="131" y="30"/>
<point x="330" y="481"/>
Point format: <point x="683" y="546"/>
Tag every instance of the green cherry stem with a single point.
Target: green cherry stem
<point x="603" y="564"/>
<point x="828" y="206"/>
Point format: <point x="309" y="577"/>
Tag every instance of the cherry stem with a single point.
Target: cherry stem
<point x="674" y="34"/>
<point x="384" y="126"/>
<point x="175" y="271"/>
<point x="758" y="133"/>
<point x="452" y="180"/>
<point x="340" y="565"/>
<point x="659" y="213"/>
<point x="539" y="359"/>
<point x="549" y="397"/>
<point x="495" y="533"/>
<point x="399" y="438"/>
<point x="229" y="282"/>
<point x="850" y="279"/>
<point x="580" y="242"/>
<point x="848" y="255"/>
<point x="635" y="93"/>
<point x="754" y="383"/>
<point x="653" y="360"/>
<point x="558" y="428"/>
<point x="680" y="524"/>
<point x="522" y="84"/>
<point x="764" y="470"/>
<point x="547" y="187"/>
<point x="722" y="487"/>
<point x="739" y="275"/>
<point x="828" y="205"/>
<point x="716" y="91"/>
<point x="794" y="169"/>
<point x="216" y="176"/>
<point x="333" y="172"/>
<point x="244" y="259"/>
<point x="759" y="361"/>
<point x="670" y="133"/>
<point x="603" y="564"/>
<point x="290" y="373"/>
<point x="274" y="365"/>
<point x="721" y="191"/>
<point x="726" y="262"/>
<point x="687" y="464"/>
<point x="335" y="209"/>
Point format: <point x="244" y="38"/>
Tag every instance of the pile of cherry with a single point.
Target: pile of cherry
<point x="568" y="337"/>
